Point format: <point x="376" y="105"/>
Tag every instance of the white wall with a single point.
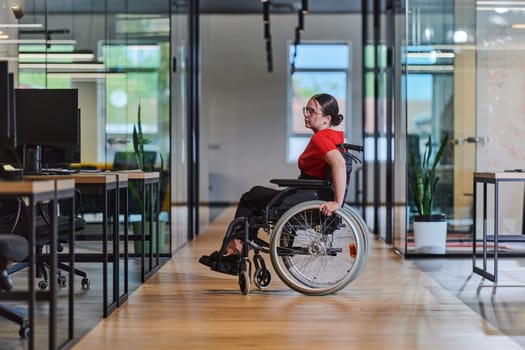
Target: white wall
<point x="243" y="107"/>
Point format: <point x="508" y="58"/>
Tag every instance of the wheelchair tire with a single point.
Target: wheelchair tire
<point x="316" y="254"/>
<point x="262" y="278"/>
<point x="244" y="282"/>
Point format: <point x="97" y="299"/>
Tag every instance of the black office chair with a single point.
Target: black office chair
<point x="43" y="239"/>
<point x="128" y="160"/>
<point x="12" y="248"/>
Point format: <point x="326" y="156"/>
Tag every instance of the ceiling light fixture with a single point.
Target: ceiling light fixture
<point x="85" y="75"/>
<point x="38" y="41"/>
<point x="21" y="25"/>
<point x="74" y="55"/>
<point x="58" y="66"/>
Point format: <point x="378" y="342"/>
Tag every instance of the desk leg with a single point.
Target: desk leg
<point x="105" y="254"/>
<point x="124" y="296"/>
<point x="116" y="239"/>
<point x="484" y="226"/>
<point x="143" y="235"/>
<point x="496" y="230"/>
<point x="153" y="210"/>
<point x="71" y="300"/>
<point x="474" y="227"/>
<point x="31" y="271"/>
<point x="53" y="277"/>
<point x="157" y="224"/>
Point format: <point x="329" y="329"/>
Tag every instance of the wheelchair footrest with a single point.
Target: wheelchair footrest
<point x="228" y="264"/>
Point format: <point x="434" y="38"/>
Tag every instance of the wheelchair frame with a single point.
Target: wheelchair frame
<point x="299" y="266"/>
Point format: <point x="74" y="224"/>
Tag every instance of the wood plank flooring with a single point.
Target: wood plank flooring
<point x="392" y="305"/>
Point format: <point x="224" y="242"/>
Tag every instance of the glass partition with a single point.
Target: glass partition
<point x="118" y="55"/>
<point x="463" y="79"/>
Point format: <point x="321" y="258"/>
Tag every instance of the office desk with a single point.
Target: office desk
<point x="147" y="184"/>
<point x="34" y="193"/>
<point x="114" y="187"/>
<point x="495" y="179"/>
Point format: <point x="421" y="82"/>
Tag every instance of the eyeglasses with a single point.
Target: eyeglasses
<point x="310" y="111"/>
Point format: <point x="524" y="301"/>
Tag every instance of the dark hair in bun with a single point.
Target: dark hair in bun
<point x="329" y="107"/>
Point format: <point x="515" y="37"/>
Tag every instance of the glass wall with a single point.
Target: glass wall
<point x="122" y="56"/>
<point x="463" y="79"/>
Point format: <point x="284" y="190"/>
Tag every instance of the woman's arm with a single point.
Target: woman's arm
<point x="335" y="160"/>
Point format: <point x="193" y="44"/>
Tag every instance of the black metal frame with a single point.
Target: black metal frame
<point x="110" y="191"/>
<point x="31" y="295"/>
<point x="493" y="179"/>
<point x="149" y="188"/>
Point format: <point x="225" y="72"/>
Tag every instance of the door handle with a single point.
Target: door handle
<point x="476" y="139"/>
<point x="471" y="139"/>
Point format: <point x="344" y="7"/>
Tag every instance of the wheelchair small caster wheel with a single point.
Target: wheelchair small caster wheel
<point x="42" y="285"/>
<point x="25" y="330"/>
<point x="262" y="278"/>
<point x="61" y="280"/>
<point x="85" y="283"/>
<point x="244" y="282"/>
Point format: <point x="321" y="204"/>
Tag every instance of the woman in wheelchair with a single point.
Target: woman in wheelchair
<point x="321" y="114"/>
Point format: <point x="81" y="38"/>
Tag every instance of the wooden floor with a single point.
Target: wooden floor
<point x="394" y="304"/>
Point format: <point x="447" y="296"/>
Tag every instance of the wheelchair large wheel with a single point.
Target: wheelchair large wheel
<point x="316" y="254"/>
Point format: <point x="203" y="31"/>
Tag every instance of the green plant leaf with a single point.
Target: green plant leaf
<point x="422" y="179"/>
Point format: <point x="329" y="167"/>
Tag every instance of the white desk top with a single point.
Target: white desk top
<point x="501" y="175"/>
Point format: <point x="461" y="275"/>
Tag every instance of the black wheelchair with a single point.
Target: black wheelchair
<point x="311" y="253"/>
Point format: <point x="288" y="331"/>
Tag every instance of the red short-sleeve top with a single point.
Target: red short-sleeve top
<point x="311" y="161"/>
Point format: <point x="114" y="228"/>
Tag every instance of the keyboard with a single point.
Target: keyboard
<point x="58" y="171"/>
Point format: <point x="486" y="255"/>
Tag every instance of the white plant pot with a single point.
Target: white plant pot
<point x="430" y="237"/>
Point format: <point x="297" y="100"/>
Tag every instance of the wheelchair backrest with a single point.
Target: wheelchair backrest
<point x="345" y="149"/>
<point x="349" y="158"/>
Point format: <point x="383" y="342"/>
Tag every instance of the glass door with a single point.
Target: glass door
<point x="440" y="101"/>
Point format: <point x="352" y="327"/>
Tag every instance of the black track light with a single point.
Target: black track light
<point x="304" y="8"/>
<point x="17" y="11"/>
<point x="266" y="12"/>
<point x="267" y="31"/>
<point x="297" y="36"/>
<point x="268" y="46"/>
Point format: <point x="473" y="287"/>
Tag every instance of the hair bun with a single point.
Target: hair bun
<point x="338" y="119"/>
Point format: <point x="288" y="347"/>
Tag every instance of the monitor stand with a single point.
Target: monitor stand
<point x="32" y="159"/>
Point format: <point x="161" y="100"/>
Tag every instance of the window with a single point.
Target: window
<point x="123" y="95"/>
<point x="316" y="68"/>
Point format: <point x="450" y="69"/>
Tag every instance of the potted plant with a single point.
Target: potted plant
<point x="430" y="228"/>
<point x="144" y="164"/>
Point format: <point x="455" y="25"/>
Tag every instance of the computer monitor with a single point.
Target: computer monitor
<point x="47" y="122"/>
<point x="7" y="126"/>
<point x="8" y="153"/>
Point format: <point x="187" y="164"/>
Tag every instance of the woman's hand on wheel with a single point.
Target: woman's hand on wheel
<point x="328" y="208"/>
